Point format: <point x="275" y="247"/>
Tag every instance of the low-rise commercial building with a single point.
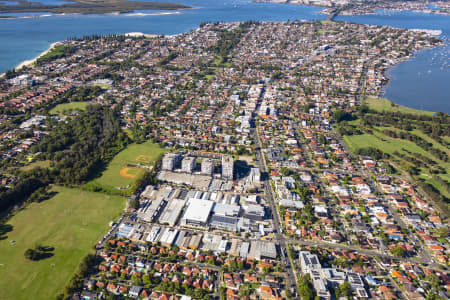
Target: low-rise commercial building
<point x="197" y="212"/>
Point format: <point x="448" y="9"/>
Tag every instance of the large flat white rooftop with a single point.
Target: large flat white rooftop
<point x="198" y="210"/>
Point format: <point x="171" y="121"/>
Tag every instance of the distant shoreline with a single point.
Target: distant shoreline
<point x="116" y="13"/>
<point x="100" y="7"/>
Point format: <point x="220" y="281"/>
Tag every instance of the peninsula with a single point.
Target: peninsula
<point x="89" y="7"/>
<point x="356" y="7"/>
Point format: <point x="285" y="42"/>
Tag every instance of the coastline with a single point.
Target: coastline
<point x="387" y="71"/>
<point x="95" y="7"/>
<point x="31" y="62"/>
<point x="117" y="13"/>
<point x="140" y="34"/>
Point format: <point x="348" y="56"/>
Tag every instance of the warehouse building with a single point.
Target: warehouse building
<point x="222" y="209"/>
<point x="148" y="192"/>
<point x="224" y="223"/>
<point x="153" y="235"/>
<point x="267" y="250"/>
<point x="151" y="209"/>
<point x="211" y="241"/>
<point x="254" y="212"/>
<point x="197" y="212"/>
<point x="260" y="250"/>
<point x="235" y="247"/>
<point x="124" y="230"/>
<point x="195" y="241"/>
<point x="178" y="242"/>
<point x="172" y="212"/>
<point x="222" y="246"/>
<point x="168" y="237"/>
<point x="175" y="194"/>
<point x="185" y="242"/>
<point x="252" y="199"/>
<point x="244" y="249"/>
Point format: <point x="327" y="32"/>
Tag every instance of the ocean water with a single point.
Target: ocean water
<point x="25" y="38"/>
<point x="422" y="82"/>
<point x="9" y="2"/>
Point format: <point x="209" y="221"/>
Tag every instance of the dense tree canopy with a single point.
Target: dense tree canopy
<point x="78" y="150"/>
<point x="79" y="147"/>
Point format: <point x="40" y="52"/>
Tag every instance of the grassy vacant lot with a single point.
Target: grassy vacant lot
<point x="380" y="104"/>
<point x="71" y="222"/>
<point x="39" y="163"/>
<point x="64" y="108"/>
<point x="120" y="171"/>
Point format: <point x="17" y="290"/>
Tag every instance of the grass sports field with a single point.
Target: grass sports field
<point x="62" y="109"/>
<point x="71" y="222"/>
<point x="121" y="171"/>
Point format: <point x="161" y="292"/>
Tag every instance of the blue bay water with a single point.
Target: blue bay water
<point x="421" y="82"/>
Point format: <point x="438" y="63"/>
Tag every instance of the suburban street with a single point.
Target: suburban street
<point x="279" y="237"/>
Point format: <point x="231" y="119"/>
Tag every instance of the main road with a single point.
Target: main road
<point x="279" y="237"/>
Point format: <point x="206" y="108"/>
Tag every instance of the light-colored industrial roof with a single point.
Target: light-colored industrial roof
<point x="198" y="210"/>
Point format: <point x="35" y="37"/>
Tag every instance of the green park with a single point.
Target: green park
<point x="126" y="167"/>
<point x="67" y="108"/>
<point x="406" y="138"/>
<point x="71" y="222"/>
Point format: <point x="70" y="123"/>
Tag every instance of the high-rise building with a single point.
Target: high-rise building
<point x="188" y="164"/>
<point x="171" y="161"/>
<point x="207" y="166"/>
<point x="227" y="167"/>
<point x="255" y="175"/>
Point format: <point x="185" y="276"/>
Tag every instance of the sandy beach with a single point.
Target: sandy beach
<point x="140" y="34"/>
<point x="30" y="62"/>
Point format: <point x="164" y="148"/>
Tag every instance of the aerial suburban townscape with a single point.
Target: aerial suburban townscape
<point x="357" y="7"/>
<point x="238" y="160"/>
